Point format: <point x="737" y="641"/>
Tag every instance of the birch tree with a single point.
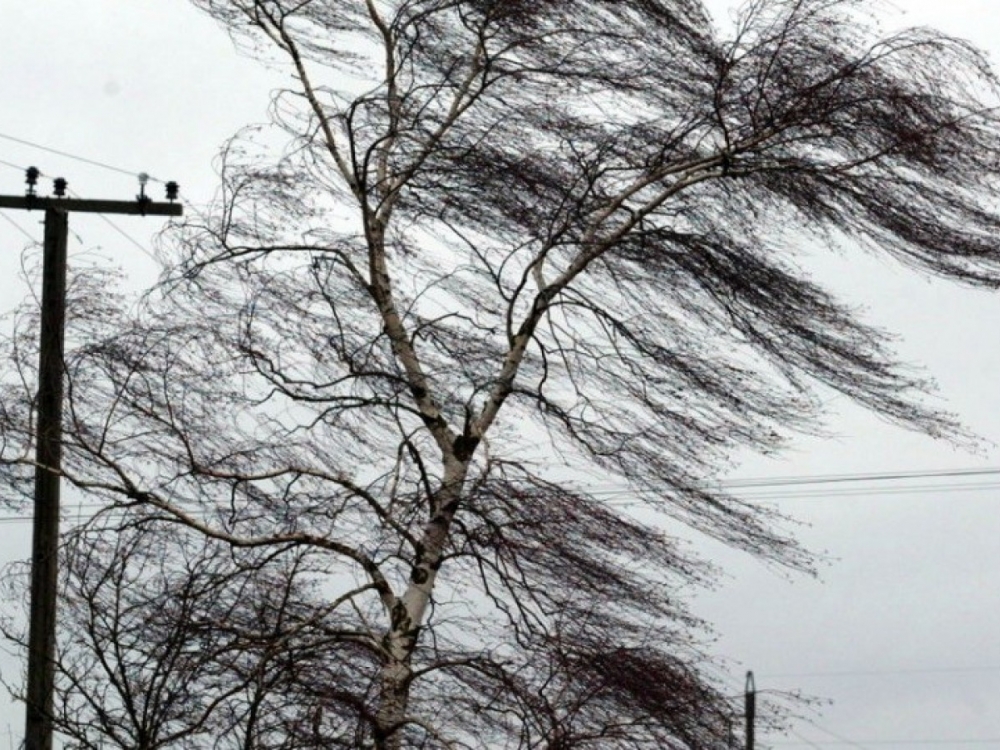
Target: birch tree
<point x="489" y="259"/>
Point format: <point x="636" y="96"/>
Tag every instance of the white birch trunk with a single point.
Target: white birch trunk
<point x="409" y="610"/>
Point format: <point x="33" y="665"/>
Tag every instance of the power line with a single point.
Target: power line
<point x="870" y="491"/>
<point x="85" y="160"/>
<point x="18" y="167"/>
<point x="19" y="228"/>
<point x="839" y="738"/>
<point x="122" y="232"/>
<point x="869" y="477"/>
<point x="803" y="740"/>
<point x="822" y="479"/>
<point x="888" y="486"/>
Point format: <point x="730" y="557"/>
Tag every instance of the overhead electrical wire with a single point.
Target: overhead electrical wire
<point x="19" y="228"/>
<point x="18" y="167"/>
<point x="611" y="493"/>
<point x="882" y="483"/>
<point x="839" y="740"/>
<point x="869" y="477"/>
<point x="138" y="245"/>
<point x="838" y="737"/>
<point x="805" y="742"/>
<point x="863" y="492"/>
<point x="66" y="154"/>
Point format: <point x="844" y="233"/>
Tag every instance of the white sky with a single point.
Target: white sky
<point x="901" y="630"/>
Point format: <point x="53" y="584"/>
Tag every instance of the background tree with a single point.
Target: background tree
<point x="491" y="253"/>
<point x="169" y="641"/>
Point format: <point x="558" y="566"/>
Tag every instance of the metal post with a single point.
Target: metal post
<point x="751" y="709"/>
<point x="48" y="464"/>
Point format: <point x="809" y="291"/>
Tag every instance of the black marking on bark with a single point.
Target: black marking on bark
<point x="430" y="421"/>
<point x="399" y="617"/>
<point x="419" y="575"/>
<point x="418" y="392"/>
<point x="450" y="508"/>
<point x="727" y="162"/>
<point x="464" y="446"/>
<point x="440" y="519"/>
<point x="411" y="637"/>
<point x="546" y="295"/>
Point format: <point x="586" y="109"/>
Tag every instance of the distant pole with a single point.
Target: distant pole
<point x="48" y="465"/>
<point x="48" y="434"/>
<point x="750" y="709"/>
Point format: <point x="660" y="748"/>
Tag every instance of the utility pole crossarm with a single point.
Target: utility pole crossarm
<point x="136" y="208"/>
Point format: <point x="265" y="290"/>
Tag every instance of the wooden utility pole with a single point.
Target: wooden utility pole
<point x="48" y="435"/>
<point x="48" y="462"/>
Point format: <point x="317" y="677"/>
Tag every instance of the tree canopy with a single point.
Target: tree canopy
<point x="489" y="257"/>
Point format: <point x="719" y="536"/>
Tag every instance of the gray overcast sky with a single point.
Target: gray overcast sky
<point x="901" y="629"/>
